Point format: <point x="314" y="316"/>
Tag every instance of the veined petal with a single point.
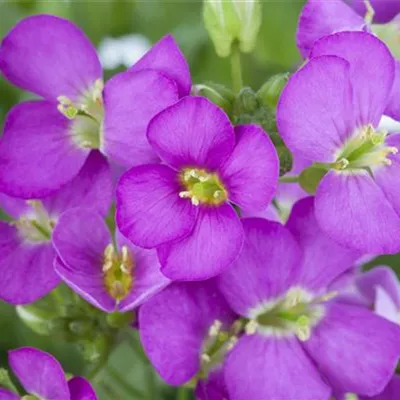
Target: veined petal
<point x="36" y="144"/>
<point x="49" y="56"/>
<point x="166" y="57"/>
<point x="39" y="373"/>
<point x="149" y="209"/>
<point x="213" y="246"/>
<point x="372" y="71"/>
<point x="131" y="100"/>
<point x="192" y="132"/>
<point x="353" y="211"/>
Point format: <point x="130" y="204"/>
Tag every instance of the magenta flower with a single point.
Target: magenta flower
<point x="329" y="113"/>
<point x="385" y="10"/>
<point x="50" y="139"/>
<point x="27" y="254"/>
<point x="42" y="376"/>
<point x="214" y="388"/>
<point x="299" y="335"/>
<point x="195" y="320"/>
<point x="183" y="208"/>
<point x="110" y="277"/>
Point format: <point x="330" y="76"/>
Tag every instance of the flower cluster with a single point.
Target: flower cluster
<point x="141" y="195"/>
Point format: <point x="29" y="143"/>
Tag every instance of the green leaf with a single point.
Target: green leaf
<point x="310" y="178"/>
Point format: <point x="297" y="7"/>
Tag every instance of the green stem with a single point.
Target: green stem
<point x="237" y="79"/>
<point x="289" y="179"/>
<point x="183" y="394"/>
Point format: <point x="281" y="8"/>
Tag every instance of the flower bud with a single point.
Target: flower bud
<point x="218" y="94"/>
<point x="228" y="21"/>
<point x="271" y="90"/>
<point x="285" y="159"/>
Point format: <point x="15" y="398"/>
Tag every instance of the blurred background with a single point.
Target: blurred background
<point x="122" y="31"/>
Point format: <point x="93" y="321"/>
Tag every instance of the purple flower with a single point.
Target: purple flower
<point x="111" y="277"/>
<point x="50" y="139"/>
<point x="214" y="388"/>
<point x="385" y="10"/>
<point x="196" y="323"/>
<point x="27" y="254"/>
<point x="305" y="341"/>
<point x="183" y="208"/>
<point x="41" y="375"/>
<point x="329" y="113"/>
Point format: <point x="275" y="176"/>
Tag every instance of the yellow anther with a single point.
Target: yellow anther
<point x="251" y="327"/>
<point x="215" y="328"/>
<point x="205" y="358"/>
<point x="232" y="343"/>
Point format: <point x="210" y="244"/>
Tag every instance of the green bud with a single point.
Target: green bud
<point x="218" y="94"/>
<point x="271" y="90"/>
<point x="95" y="350"/>
<point x="81" y="328"/>
<point x="310" y="178"/>
<point x="285" y="160"/>
<point x="228" y="21"/>
<point x="120" y="320"/>
<point x="36" y="318"/>
<point x="5" y="380"/>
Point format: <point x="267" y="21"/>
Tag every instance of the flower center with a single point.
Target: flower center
<point x="117" y="272"/>
<point x="38" y="226"/>
<point x="86" y="114"/>
<point x="295" y="313"/>
<point x="365" y="149"/>
<point x="202" y="187"/>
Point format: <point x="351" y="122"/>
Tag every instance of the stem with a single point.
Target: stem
<point x="289" y="179"/>
<point x="183" y="394"/>
<point x="237" y="80"/>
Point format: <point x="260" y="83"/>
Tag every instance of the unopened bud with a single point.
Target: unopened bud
<point x="218" y="94"/>
<point x="285" y="160"/>
<point x="271" y="90"/>
<point x="229" y="21"/>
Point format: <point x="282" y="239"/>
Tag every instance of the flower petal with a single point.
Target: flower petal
<point x="213" y="388"/>
<point x="356" y="350"/>
<point x="26" y="269"/>
<point x="131" y="100"/>
<point x="192" y="132"/>
<point x="147" y="277"/>
<point x="314" y="113"/>
<point x="81" y="389"/>
<point x="92" y="187"/>
<point x="80" y="239"/>
<point x="352" y="210"/>
<point x="384" y="10"/>
<point x="320" y="18"/>
<point x="36" y="144"/>
<point x="174" y="325"/>
<point x="393" y="107"/>
<point x="7" y="395"/>
<point x="261" y="368"/>
<point x="260" y="272"/>
<point x="13" y="206"/>
<point x="372" y="71"/>
<point x="166" y="57"/>
<point x="251" y="185"/>
<point x="49" y="56"/>
<point x="211" y="248"/>
<point x="324" y="260"/>
<point x="39" y="373"/>
<point x="149" y="209"/>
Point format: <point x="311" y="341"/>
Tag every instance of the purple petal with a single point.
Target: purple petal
<point x="39" y="373"/>
<point x="211" y="248"/>
<point x="372" y="71"/>
<point x="393" y="107"/>
<point x="81" y="389"/>
<point x="388" y="176"/>
<point x="320" y="18"/>
<point x="192" y="132"/>
<point x="323" y="259"/>
<point x="7" y="395"/>
<point x="314" y="113"/>
<point x="352" y="210"/>
<point x="385" y="10"/>
<point x="251" y="185"/>
<point x="270" y="213"/>
<point x="356" y="350"/>
<point x="174" y="325"/>
<point x="166" y="57"/>
<point x="131" y="100"/>
<point x="92" y="187"/>
<point x="391" y="391"/>
<point x="80" y="239"/>
<point x="26" y="269"/>
<point x="36" y="144"/>
<point x="272" y="368"/>
<point x="214" y="388"/>
<point x="147" y="277"/>
<point x="14" y="206"/>
<point x="261" y="272"/>
<point x="49" y="56"/>
<point x="149" y="209"/>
